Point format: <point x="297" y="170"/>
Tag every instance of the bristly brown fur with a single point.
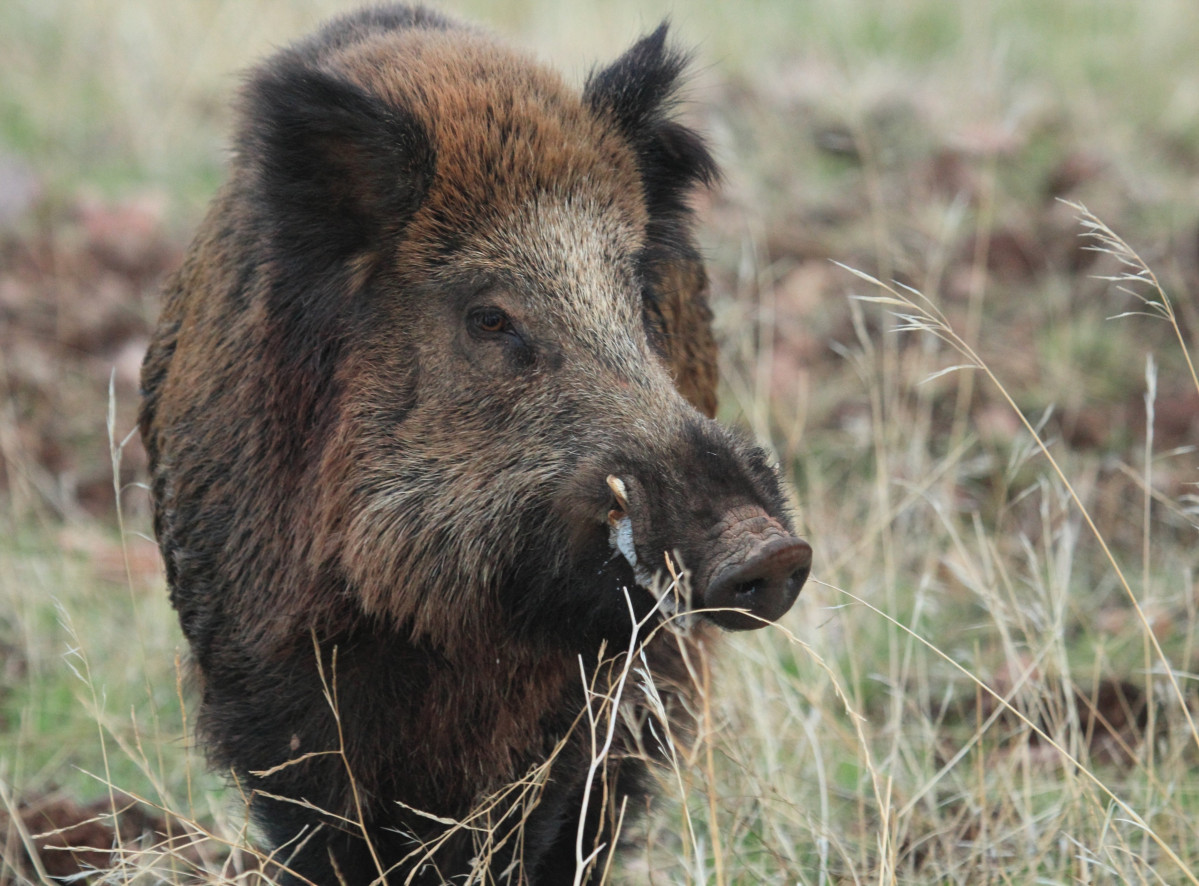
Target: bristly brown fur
<point x="440" y="299"/>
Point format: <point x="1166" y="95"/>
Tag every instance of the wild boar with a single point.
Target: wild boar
<point x="428" y="405"/>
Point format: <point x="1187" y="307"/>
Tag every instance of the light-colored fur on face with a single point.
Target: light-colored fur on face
<point x="563" y="270"/>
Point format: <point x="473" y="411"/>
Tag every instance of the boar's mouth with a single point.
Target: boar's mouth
<point x="751" y="574"/>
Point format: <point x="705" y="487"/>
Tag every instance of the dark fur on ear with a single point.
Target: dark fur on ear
<point x="333" y="174"/>
<point x="639" y="90"/>
<point x="337" y="170"/>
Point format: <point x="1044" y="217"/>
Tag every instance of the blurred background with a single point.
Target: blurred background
<point x="992" y="678"/>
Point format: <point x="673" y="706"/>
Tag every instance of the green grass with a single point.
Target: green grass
<point x="921" y="716"/>
<point x="62" y="619"/>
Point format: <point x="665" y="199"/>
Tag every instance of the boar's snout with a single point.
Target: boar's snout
<point x="718" y="510"/>
<point x="762" y="572"/>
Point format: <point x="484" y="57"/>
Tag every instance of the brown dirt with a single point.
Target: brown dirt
<point x="77" y="294"/>
<point x="78" y="841"/>
<point x="70" y="839"/>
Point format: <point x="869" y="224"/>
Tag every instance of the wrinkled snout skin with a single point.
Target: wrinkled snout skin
<point x="429" y="417"/>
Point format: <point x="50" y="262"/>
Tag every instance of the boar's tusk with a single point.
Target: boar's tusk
<point x="619" y="491"/>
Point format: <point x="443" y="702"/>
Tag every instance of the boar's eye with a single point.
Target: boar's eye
<point x="489" y="321"/>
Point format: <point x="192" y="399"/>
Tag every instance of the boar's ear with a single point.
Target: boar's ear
<point x="638" y="91"/>
<point x="335" y="169"/>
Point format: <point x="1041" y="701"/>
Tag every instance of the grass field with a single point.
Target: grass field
<point x="954" y="259"/>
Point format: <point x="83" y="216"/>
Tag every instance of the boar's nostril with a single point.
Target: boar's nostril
<point x="764" y="584"/>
